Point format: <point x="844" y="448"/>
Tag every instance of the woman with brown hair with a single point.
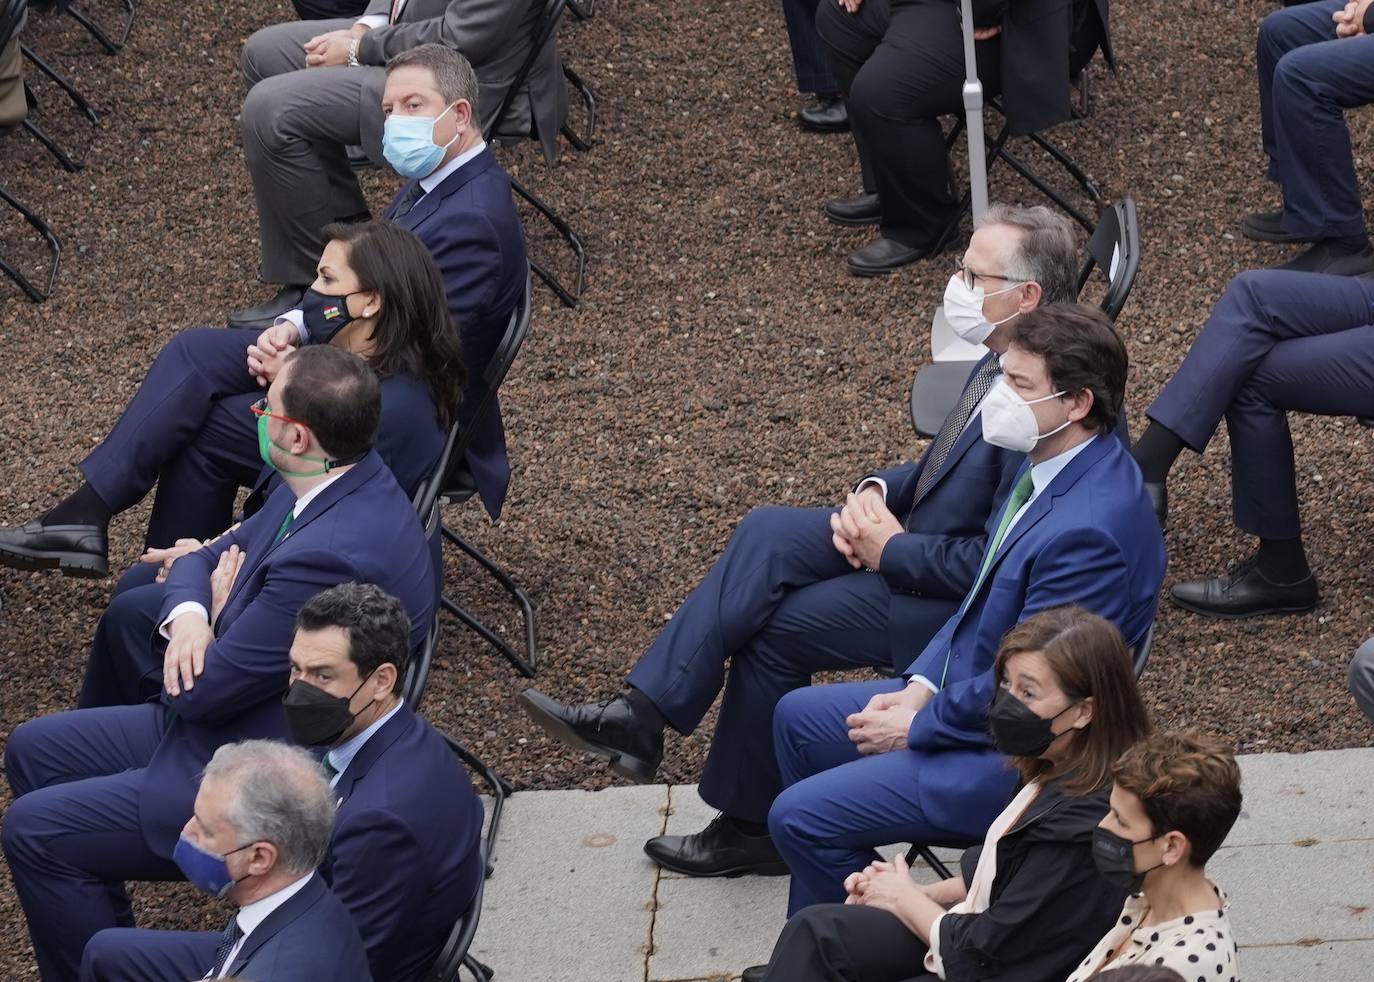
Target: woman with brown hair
<point x="1029" y="902"/>
<point x="1174" y="799"/>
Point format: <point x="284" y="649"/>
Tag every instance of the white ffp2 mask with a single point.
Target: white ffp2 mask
<point x="1009" y="422"/>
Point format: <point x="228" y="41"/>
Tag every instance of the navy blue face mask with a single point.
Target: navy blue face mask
<point x="325" y="316"/>
<point x="206" y="871"/>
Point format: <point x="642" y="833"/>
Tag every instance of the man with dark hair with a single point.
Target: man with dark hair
<point x="869" y="763"/>
<point x="802" y="590"/>
<point x="100" y="794"/>
<point x="406" y="856"/>
<point x="459" y="204"/>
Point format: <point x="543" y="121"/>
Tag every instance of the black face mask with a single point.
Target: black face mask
<point x="1115" y="858"/>
<point x="314" y="717"/>
<point x="1016" y="729"/>
<point x="324" y="316"/>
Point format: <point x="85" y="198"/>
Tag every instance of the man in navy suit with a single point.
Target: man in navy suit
<point x="459" y="204"/>
<point x="406" y="856"/>
<point x="798" y="591"/>
<point x="870" y="763"/>
<point x="260" y="827"/>
<point x="100" y="794"/>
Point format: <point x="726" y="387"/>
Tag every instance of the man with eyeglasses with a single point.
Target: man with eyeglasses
<point x="101" y="793"/>
<point x="803" y="590"/>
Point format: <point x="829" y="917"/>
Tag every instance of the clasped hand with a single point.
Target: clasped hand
<point x="887" y="886"/>
<point x="1350" y="19"/>
<point x="190" y="635"/>
<point x="884" y="723"/>
<point x="266" y="357"/>
<point x="330" y="49"/>
<point x="861" y="528"/>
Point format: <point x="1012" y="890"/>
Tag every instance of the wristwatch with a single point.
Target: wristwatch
<point x="353" y="61"/>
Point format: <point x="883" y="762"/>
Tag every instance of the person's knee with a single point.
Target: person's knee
<point x="254" y="55"/>
<point x="21" y="832"/>
<point x="1303" y="78"/>
<point x="874" y="100"/>
<point x="1360" y="676"/>
<point x="102" y="952"/>
<point x="787" y="715"/>
<point x="20" y="749"/>
<point x="785" y="821"/>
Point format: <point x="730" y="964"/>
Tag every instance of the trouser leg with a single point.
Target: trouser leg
<point x="1328" y="375"/>
<point x="1259" y="309"/>
<point x="192" y="371"/>
<point x="850" y="40"/>
<point x="124" y="667"/>
<point x="121" y="954"/>
<point x="840" y="623"/>
<point x="1280" y="32"/>
<point x="839" y="943"/>
<point x="808" y="53"/>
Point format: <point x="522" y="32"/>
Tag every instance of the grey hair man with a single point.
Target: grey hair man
<point x="262" y="823"/>
<point x="791" y="594"/>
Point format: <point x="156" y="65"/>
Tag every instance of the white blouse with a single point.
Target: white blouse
<point x="1200" y="946"/>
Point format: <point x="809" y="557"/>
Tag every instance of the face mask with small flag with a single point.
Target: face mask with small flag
<point x="324" y="315"/>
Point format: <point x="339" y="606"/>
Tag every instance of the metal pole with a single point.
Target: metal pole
<point x="973" y="110"/>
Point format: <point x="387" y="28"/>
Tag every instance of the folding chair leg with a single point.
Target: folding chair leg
<point x="582" y="143"/>
<point x="582" y="9"/>
<point x="1089" y="186"/>
<point x="928" y="856"/>
<point x="62" y="157"/>
<point x="34" y="293"/>
<point x="569" y="236"/>
<point x="479" y="971"/>
<point x="1034" y="179"/>
<point x="489" y="636"/>
<point x="109" y="44"/>
<point x="496" y="784"/>
<point x="66" y="86"/>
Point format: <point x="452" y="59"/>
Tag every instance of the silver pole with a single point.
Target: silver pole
<point x="973" y="110"/>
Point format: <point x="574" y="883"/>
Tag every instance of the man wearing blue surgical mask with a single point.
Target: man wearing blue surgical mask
<point x="261" y="826"/>
<point x="802" y="590"/>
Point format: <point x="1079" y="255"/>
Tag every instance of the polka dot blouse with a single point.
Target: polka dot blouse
<point x="1200" y="946"/>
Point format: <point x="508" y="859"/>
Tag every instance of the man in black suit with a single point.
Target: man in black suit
<point x="900" y="66"/>
<point x="261" y="825"/>
<point x="802" y="590"/>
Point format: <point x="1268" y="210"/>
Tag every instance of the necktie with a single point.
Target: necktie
<point x="413" y="194"/>
<point x="286" y="523"/>
<point x="232" y="934"/>
<point x="396" y="6"/>
<point x="330" y="771"/>
<point x="1020" y="494"/>
<point x="953" y="426"/>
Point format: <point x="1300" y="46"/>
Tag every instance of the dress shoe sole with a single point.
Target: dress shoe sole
<point x="822" y="127"/>
<point x="80" y="564"/>
<point x="1238" y="616"/>
<point x="1273" y="238"/>
<point x="632" y="768"/>
<point x="852" y="222"/>
<point x="730" y="872"/>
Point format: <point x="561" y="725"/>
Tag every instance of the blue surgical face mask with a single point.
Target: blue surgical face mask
<point x="206" y="871"/>
<point x="408" y="144"/>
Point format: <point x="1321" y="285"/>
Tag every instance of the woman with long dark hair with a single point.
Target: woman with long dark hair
<point x="189" y="430"/>
<point x="1030" y="902"/>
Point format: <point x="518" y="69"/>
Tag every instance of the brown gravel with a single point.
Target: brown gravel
<point x="722" y="357"/>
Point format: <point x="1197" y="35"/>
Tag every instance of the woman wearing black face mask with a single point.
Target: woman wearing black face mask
<point x="1174" y="798"/>
<point x="1030" y="902"/>
<point x="189" y="430"/>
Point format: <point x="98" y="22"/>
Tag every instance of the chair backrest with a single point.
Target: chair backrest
<point x="11" y="19"/>
<point x="1114" y="248"/>
<point x="498" y="366"/>
<point x="551" y="13"/>
<point x="450" y="960"/>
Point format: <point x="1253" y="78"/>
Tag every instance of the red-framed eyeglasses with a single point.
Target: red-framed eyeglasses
<point x="260" y="408"/>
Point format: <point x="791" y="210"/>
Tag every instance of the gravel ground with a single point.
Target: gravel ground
<point x="722" y="357"/>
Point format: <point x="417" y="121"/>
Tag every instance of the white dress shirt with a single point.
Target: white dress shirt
<point x="371" y="21"/>
<point x="250" y="916"/>
<point x="165" y="628"/>
<point x="341" y="756"/>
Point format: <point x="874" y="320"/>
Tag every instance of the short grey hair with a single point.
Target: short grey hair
<point x="453" y="74"/>
<point x="278" y="795"/>
<point x="1047" y="252"/>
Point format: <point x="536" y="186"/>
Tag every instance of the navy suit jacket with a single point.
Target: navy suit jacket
<point x="311" y="936"/>
<point x="361" y="528"/>
<point x="1091" y="539"/>
<point x="470" y="226"/>
<point x="406" y="855"/>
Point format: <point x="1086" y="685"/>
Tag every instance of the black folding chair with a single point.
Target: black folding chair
<point x="76" y="13"/>
<point x="582" y="9"/>
<point x="546" y="25"/>
<point x="1113" y="250"/>
<point x="1140" y="654"/>
<point x="452" y="483"/>
<point x="11" y="17"/>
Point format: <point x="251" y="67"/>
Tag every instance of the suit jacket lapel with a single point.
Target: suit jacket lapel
<point x="970" y="435"/>
<point x="297" y="904"/>
<point x="371" y="751"/>
<point x="427" y="205"/>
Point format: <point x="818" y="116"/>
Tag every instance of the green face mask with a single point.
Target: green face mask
<point x="265" y="443"/>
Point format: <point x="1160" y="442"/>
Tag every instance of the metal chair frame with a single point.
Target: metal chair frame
<point x="110" y="45"/>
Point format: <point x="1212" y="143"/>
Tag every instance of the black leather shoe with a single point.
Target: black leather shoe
<point x="1244" y="592"/>
<point x="882" y="256"/>
<point x="720" y="849"/>
<point x="754" y="973"/>
<point x="1332" y="257"/>
<point x="862" y="209"/>
<point x="1159" y="501"/>
<point x="828" y="115"/>
<point x="77" y="550"/>
<point x="1267" y="226"/>
<point x="264" y="315"/>
<point x="608" y="728"/>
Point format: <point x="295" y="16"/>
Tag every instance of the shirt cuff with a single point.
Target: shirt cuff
<point x="877" y="482"/>
<point x="186" y="607"/>
<point x="933" y="962"/>
<point x="924" y="681"/>
<point x="373" y="21"/>
<point x="297" y="319"/>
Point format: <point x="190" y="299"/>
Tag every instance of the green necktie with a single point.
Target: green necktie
<point x="285" y="524"/>
<point x="1020" y="494"/>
